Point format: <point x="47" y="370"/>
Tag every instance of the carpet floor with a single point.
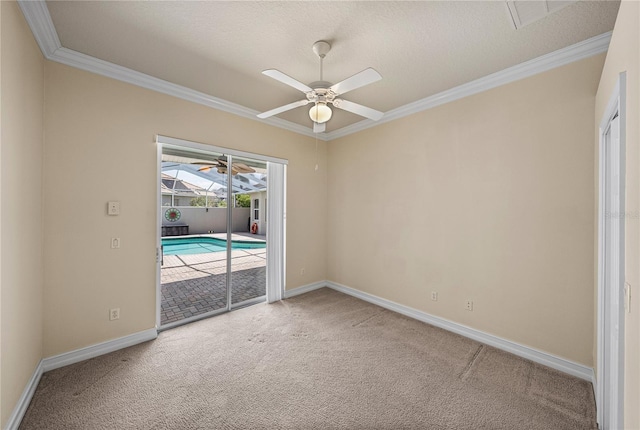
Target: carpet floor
<point x="322" y="360"/>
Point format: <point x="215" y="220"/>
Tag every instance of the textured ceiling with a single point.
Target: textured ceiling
<point x="220" y="48"/>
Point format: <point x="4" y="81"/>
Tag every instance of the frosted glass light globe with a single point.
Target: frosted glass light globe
<point x="320" y="113"/>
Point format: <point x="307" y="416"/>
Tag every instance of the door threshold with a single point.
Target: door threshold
<point x="250" y="302"/>
<point x="192" y="319"/>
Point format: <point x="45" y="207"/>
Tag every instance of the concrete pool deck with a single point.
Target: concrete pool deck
<point x="196" y="284"/>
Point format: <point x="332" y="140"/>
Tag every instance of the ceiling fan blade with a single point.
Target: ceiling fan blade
<point x="319" y="128"/>
<point x="358" y="109"/>
<point x="286" y="79"/>
<point x="242" y="168"/>
<point x="205" y="163"/>
<point x="206" y="166"/>
<point x="284" y="108"/>
<point x="366" y="77"/>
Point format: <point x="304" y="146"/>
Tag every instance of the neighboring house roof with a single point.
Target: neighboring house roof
<point x="171" y="185"/>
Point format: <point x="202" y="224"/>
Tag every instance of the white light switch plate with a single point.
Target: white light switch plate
<point x="113" y="208"/>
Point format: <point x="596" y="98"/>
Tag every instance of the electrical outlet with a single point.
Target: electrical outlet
<point x="469" y="305"/>
<point x="302" y="271"/>
<point x="115" y="242"/>
<point x="114" y="314"/>
<point x="434" y="296"/>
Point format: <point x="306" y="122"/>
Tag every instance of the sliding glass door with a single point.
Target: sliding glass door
<point x="213" y="251"/>
<point x="248" y="268"/>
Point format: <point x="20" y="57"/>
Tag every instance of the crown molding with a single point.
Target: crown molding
<point x="91" y="64"/>
<point x="579" y="51"/>
<point x="37" y="16"/>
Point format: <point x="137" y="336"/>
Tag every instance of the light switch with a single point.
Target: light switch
<point x="113" y="208"/>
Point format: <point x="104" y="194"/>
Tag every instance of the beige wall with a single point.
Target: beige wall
<point x="21" y="200"/>
<point x="488" y="198"/>
<point x="100" y="144"/>
<point x="624" y="55"/>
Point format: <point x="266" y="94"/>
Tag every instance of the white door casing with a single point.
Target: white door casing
<point x="611" y="254"/>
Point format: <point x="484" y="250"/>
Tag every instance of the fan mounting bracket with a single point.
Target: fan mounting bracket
<point x="321" y="48"/>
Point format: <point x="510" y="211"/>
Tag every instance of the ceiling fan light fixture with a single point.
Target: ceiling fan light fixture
<point x="322" y="93"/>
<point x="320" y="113"/>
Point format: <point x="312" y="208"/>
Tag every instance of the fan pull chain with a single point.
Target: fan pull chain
<point x="316" y="152"/>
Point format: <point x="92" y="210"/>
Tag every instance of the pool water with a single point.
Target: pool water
<point x="203" y="245"/>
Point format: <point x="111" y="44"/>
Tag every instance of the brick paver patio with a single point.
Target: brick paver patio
<point x="196" y="284"/>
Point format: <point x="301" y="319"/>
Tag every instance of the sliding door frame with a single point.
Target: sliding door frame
<point x="276" y="188"/>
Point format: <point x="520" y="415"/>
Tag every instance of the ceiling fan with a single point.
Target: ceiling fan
<point x="322" y="93"/>
<point x="222" y="165"/>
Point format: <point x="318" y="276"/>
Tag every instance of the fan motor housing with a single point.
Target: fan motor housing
<point x="321" y="92"/>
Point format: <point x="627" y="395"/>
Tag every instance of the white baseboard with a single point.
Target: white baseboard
<point x="594" y="385"/>
<point x="25" y="399"/>
<point x="72" y="357"/>
<point x="520" y="350"/>
<point x="98" y="349"/>
<point x="304" y="289"/>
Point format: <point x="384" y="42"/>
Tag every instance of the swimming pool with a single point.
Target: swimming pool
<point x="203" y="245"/>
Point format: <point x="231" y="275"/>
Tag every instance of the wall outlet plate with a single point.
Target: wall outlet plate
<point x="114" y="314"/>
<point x="469" y="305"/>
<point x="434" y="296"/>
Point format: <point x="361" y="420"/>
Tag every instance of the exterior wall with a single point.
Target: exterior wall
<point x="22" y="87"/>
<point x="488" y="198"/>
<point x="624" y="55"/>
<point x="202" y="221"/>
<point x="262" y="211"/>
<point x="94" y="125"/>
